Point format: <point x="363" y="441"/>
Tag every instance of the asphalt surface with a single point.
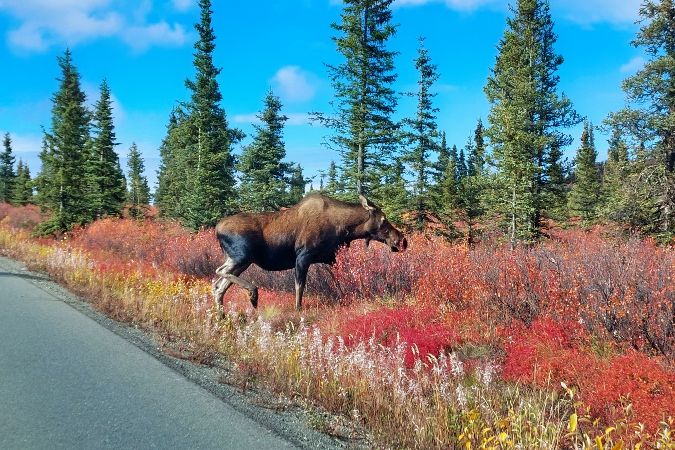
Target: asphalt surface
<point x="68" y="382"/>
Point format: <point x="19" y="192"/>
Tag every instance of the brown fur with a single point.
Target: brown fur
<point x="310" y="232"/>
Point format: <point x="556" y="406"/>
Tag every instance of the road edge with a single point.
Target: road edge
<point x="289" y="424"/>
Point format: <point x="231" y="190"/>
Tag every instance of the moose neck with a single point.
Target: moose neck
<point x="356" y="223"/>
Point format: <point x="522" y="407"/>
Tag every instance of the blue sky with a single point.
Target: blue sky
<point x="144" y="49"/>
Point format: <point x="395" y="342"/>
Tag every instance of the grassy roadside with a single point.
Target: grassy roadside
<point x="434" y="402"/>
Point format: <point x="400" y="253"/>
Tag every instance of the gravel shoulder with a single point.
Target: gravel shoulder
<point x="284" y="419"/>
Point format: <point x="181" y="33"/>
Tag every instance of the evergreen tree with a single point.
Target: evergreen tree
<point x="333" y="183"/>
<point x="364" y="132"/>
<point x="616" y="178"/>
<point x="476" y="160"/>
<point x="462" y="168"/>
<point x="296" y="185"/>
<point x="44" y="179"/>
<point x="650" y="117"/>
<point x="446" y="188"/>
<point x="472" y="185"/>
<point x="438" y="168"/>
<point x="557" y="174"/>
<point x="7" y="174"/>
<point x="263" y="173"/>
<point x="106" y="183"/>
<point x="422" y="135"/>
<point x="138" y="195"/>
<point x="23" y="188"/>
<point x="63" y="179"/>
<point x="527" y="116"/>
<point x="394" y="189"/>
<point x="584" y="197"/>
<point x="172" y="173"/>
<point x="197" y="171"/>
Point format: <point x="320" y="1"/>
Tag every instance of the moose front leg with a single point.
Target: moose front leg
<point x="302" y="263"/>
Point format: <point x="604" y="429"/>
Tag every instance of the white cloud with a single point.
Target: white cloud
<point x="587" y="12"/>
<point x="24" y="144"/>
<point x="141" y="37"/>
<point x="246" y="118"/>
<point x="43" y="23"/>
<point x="182" y="5"/>
<point x="462" y="5"/>
<point x="294" y="84"/>
<point x="298" y="119"/>
<point x="633" y="65"/>
<point x="584" y="12"/>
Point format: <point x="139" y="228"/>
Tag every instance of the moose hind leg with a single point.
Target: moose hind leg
<point x="221" y="285"/>
<point x="250" y="287"/>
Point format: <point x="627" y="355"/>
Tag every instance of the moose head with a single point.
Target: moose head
<point x="378" y="228"/>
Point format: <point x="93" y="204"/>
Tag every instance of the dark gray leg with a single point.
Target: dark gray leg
<point x="301" y="267"/>
<point x="250" y="287"/>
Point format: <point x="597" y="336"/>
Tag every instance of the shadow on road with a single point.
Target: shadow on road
<point x="26" y="276"/>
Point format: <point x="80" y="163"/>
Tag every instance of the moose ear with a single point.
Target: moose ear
<point x="367" y="204"/>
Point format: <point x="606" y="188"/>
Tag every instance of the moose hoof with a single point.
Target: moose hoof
<point x="254" y="298"/>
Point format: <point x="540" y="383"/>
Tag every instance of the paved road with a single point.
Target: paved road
<point x="68" y="382"/>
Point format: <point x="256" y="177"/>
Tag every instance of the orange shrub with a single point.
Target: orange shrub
<point x="20" y="217"/>
<point x="549" y="353"/>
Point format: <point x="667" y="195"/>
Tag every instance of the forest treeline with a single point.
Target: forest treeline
<point x="511" y="172"/>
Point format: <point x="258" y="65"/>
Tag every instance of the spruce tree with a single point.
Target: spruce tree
<point x="394" y="189"/>
<point x="138" y="194"/>
<point x="446" y="189"/>
<point x="23" y="188"/>
<point x="616" y="179"/>
<point x="472" y="184"/>
<point x="557" y="174"/>
<point x="197" y="171"/>
<point x="476" y="161"/>
<point x="172" y="173"/>
<point x="211" y="193"/>
<point x="296" y="185"/>
<point x="63" y="179"/>
<point x="263" y="179"/>
<point x="333" y="184"/>
<point x="462" y="168"/>
<point x="364" y="131"/>
<point x="585" y="195"/>
<point x="650" y="117"/>
<point x="438" y="168"/>
<point x="527" y="116"/>
<point x="45" y="194"/>
<point x="7" y="173"/>
<point x="106" y="183"/>
<point x="422" y="135"/>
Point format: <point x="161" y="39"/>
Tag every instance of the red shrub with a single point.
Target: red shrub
<point x="546" y="349"/>
<point x="635" y="379"/>
<point x="549" y="353"/>
<point x="374" y="271"/>
<point x="156" y="244"/>
<point x="20" y="217"/>
<point x="420" y="327"/>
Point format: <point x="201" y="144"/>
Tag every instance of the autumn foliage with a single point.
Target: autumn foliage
<point x="592" y="312"/>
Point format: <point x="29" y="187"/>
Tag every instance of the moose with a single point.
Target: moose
<point x="310" y="232"/>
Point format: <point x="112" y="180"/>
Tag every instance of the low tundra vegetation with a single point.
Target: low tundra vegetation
<point x="568" y="344"/>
